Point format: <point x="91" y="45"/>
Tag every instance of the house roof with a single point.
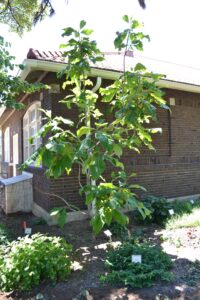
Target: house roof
<point x="178" y="77"/>
<point x="114" y="62"/>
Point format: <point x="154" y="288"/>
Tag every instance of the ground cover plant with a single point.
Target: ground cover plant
<point x="122" y="271"/>
<point x="192" y="276"/>
<point x="25" y="262"/>
<point x="159" y="208"/>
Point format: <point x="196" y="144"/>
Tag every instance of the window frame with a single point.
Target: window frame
<point x="7" y="145"/>
<point x="31" y="125"/>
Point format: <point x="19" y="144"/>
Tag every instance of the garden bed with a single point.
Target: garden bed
<point x="90" y="254"/>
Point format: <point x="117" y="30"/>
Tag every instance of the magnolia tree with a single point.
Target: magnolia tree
<point x="12" y="86"/>
<point x="94" y="143"/>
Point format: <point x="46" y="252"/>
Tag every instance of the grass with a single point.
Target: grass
<point x="186" y="220"/>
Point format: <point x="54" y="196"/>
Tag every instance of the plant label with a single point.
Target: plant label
<point x="136" y="259"/>
<point x="171" y="212"/>
<point x="192" y="201"/>
<point x="108" y="233"/>
<point x="27" y="231"/>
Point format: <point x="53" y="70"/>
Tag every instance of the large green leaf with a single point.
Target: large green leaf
<point x="84" y="130"/>
<point x="118" y="150"/>
<point x="98" y="167"/>
<point x="97" y="224"/>
<point x="82" y="24"/>
<point x="105" y="140"/>
<point x="120" y="217"/>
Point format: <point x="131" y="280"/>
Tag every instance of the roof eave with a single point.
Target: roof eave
<point x="49" y="66"/>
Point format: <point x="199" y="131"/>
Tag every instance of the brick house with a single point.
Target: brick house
<point x="172" y="171"/>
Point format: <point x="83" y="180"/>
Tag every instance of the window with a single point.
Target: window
<point x="7" y="145"/>
<point x="31" y="125"/>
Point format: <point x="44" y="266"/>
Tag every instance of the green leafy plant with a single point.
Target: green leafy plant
<point x="5" y="235"/>
<point x="29" y="260"/>
<point x="119" y="231"/>
<point x="121" y="271"/>
<point x="159" y="210"/>
<point x="95" y="143"/>
<point x="183" y="207"/>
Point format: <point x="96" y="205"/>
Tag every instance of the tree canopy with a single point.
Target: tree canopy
<point x="21" y="15"/>
<point x="12" y="86"/>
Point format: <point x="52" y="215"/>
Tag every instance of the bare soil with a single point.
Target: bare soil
<point x="90" y="252"/>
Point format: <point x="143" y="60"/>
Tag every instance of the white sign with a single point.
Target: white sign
<point x="28" y="231"/>
<point x="171" y="212"/>
<point x="108" y="233"/>
<point x="136" y="259"/>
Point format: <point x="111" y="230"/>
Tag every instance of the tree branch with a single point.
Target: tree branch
<point x="13" y="15"/>
<point x="43" y="6"/>
<point x="70" y="206"/>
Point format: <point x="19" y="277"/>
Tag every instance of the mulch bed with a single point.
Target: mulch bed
<point x="90" y="251"/>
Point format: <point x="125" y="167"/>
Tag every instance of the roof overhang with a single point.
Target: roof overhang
<point x="31" y="65"/>
<point x="49" y="66"/>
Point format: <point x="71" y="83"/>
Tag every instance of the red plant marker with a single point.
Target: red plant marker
<point x="24" y="225"/>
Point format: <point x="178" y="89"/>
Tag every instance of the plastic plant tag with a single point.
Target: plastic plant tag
<point x="171" y="212"/>
<point x="108" y="233"/>
<point x="192" y="201"/>
<point x="27" y="231"/>
<point x="24" y="224"/>
<point x="137" y="259"/>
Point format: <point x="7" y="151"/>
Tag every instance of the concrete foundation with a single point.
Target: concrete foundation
<point x="71" y="216"/>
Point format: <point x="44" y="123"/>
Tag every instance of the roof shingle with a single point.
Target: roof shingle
<point x="114" y="62"/>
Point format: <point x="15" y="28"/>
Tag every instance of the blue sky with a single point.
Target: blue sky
<point x="173" y="26"/>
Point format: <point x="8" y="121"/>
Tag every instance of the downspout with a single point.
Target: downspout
<point x="97" y="85"/>
<point x="92" y="208"/>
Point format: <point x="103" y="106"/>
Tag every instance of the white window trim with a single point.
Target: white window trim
<point x="7" y="144"/>
<point x="31" y="125"/>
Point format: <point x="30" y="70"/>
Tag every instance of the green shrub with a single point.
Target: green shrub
<point x="182" y="207"/>
<point x="159" y="208"/>
<point x="119" y="231"/>
<point x="29" y="260"/>
<point x="155" y="265"/>
<point x="5" y="236"/>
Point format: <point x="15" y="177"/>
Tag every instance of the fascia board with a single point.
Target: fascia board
<point x="33" y="64"/>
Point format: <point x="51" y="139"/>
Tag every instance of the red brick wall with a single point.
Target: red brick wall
<point x="176" y="174"/>
<point x="172" y="170"/>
